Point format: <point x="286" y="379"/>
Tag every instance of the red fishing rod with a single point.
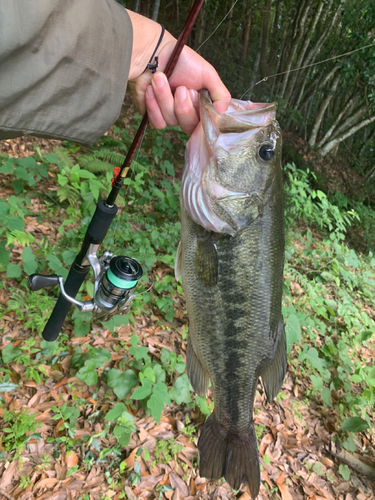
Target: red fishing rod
<point x="115" y="276"/>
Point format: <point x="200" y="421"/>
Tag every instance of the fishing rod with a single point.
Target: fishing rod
<point x="115" y="276"/>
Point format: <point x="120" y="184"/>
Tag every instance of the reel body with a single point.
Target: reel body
<point x="115" y="278"/>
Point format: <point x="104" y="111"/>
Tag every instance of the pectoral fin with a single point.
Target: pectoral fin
<point x="274" y="375"/>
<point x="206" y="263"/>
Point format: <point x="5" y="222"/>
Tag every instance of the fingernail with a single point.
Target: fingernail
<point x="150" y="92"/>
<point x="180" y="93"/>
<point x="193" y="95"/>
<point x="159" y="80"/>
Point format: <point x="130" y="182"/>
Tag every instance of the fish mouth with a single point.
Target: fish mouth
<point x="241" y="115"/>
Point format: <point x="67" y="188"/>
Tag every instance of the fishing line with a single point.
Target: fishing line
<point x="308" y="66"/>
<point x="217" y="27"/>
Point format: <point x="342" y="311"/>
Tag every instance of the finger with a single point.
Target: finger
<point x="185" y="111"/>
<point x="138" y="89"/>
<point x="219" y="93"/>
<point x="164" y="97"/>
<point x="194" y="96"/>
<point x="154" y="113"/>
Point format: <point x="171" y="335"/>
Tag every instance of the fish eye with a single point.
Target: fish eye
<point x="266" y="152"/>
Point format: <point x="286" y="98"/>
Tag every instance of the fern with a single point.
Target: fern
<point x="69" y="193"/>
<point x="109" y="159"/>
<point x="21" y="237"/>
<point x="96" y="166"/>
<point x="296" y="276"/>
<point x="64" y="156"/>
<point x="112" y="142"/>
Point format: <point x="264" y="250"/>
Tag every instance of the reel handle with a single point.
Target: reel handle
<point x="39" y="281"/>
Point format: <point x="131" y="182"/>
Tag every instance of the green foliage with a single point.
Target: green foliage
<point x="18" y="428"/>
<point x="326" y="289"/>
<point x="364" y="225"/>
<point x="124" y="423"/>
<point x="167" y="450"/>
<point x="89" y="362"/>
<point x="354" y="424"/>
<point x="121" y="382"/>
<point x="76" y="183"/>
<point x="312" y="206"/>
<point x="23" y="172"/>
<point x="344" y="472"/>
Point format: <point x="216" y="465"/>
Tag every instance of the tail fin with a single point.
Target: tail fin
<point x="234" y="456"/>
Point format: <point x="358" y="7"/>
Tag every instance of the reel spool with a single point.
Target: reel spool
<point x="119" y="278"/>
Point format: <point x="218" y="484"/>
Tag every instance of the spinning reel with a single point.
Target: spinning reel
<point x="115" y="278"/>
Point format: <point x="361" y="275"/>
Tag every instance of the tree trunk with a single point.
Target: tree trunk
<point x="331" y="144"/>
<point x="144" y="7"/>
<point x="227" y="31"/>
<point x="137" y="6"/>
<point x="318" y="83"/>
<point x="155" y="11"/>
<point x="322" y="109"/>
<point x="200" y="29"/>
<point x="255" y="68"/>
<point x="301" y="55"/>
<point x="346" y="109"/>
<point x="245" y="39"/>
<point x="349" y="121"/>
<point x="266" y="19"/>
<point x="295" y="44"/>
<point x="275" y="28"/>
<point x="310" y="58"/>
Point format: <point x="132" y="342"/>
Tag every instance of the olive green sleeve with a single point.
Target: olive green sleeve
<point x="64" y="66"/>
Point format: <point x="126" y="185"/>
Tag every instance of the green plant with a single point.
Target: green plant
<point x="18" y="428"/>
<point x="25" y="481"/>
<point x="303" y="202"/>
<point x="68" y="415"/>
<point x="124" y="423"/>
<point x="88" y="363"/>
<point x="326" y="319"/>
<point x="167" y="450"/>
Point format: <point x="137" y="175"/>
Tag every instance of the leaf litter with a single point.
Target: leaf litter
<point x="299" y="459"/>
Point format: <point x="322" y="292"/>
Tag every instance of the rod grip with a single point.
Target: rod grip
<point x="95" y="234"/>
<point x="73" y="283"/>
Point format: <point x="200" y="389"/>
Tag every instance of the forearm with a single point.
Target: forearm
<point x="146" y="34"/>
<point x="63" y="67"/>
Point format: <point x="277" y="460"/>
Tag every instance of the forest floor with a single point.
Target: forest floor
<point x="298" y="458"/>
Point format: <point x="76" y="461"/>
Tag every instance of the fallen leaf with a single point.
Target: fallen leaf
<point x="284" y="490"/>
<point x="48" y="483"/>
<point x="71" y="459"/>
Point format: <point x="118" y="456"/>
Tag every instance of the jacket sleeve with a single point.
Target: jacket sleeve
<point x="64" y="66"/>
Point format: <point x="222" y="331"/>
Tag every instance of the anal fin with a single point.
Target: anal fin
<point x="197" y="375"/>
<point x="178" y="262"/>
<point x="273" y="376"/>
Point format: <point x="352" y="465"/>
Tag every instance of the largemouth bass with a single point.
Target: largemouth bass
<point x="231" y="259"/>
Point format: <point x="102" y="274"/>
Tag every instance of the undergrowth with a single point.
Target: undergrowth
<point x="329" y="290"/>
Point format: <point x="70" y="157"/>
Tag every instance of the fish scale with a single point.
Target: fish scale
<point x="232" y="281"/>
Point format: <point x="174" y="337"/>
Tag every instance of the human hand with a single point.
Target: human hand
<point x="154" y="93"/>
